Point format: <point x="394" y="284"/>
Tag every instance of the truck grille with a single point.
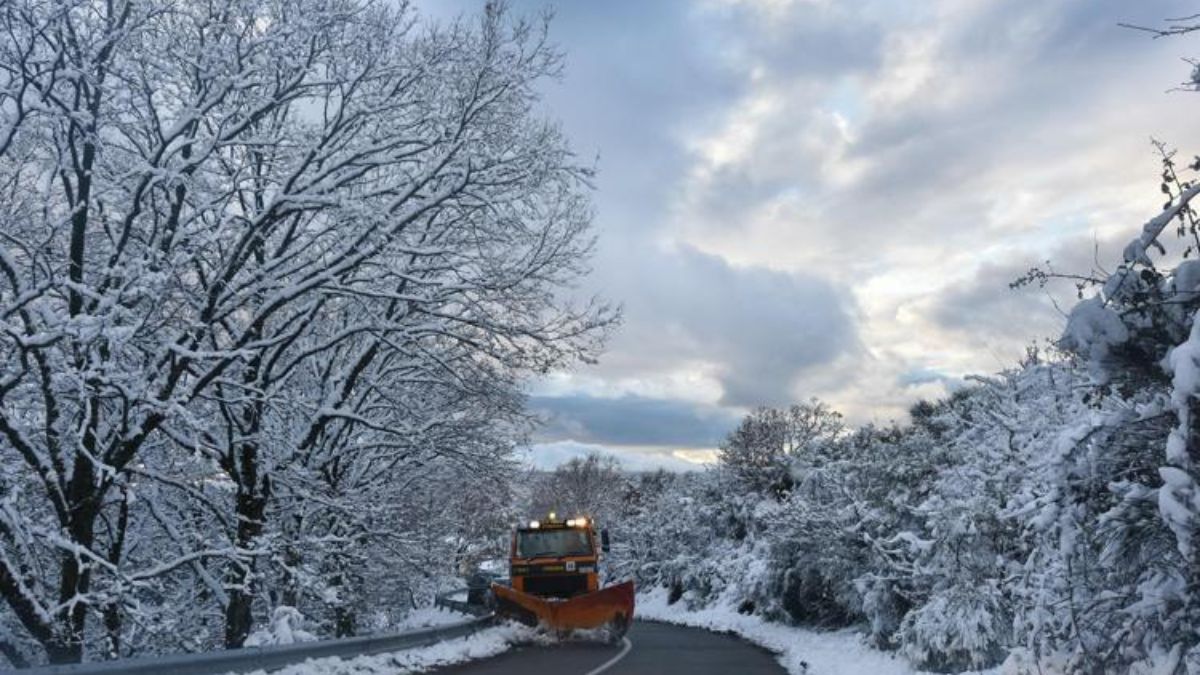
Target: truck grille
<point x="557" y="586"/>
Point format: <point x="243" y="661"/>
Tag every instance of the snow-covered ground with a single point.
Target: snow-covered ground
<point x="801" y="651"/>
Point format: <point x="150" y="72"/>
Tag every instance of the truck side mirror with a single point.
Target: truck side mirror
<point x="604" y="543"/>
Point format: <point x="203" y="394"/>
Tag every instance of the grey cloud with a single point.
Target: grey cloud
<point x="805" y="38"/>
<point x="1015" y="86"/>
<point x="759" y="329"/>
<point x="986" y="309"/>
<point x="1042" y="92"/>
<point x="640" y="77"/>
<point x="631" y="421"/>
<point x="914" y="378"/>
<point x="1062" y="31"/>
<point x="637" y="74"/>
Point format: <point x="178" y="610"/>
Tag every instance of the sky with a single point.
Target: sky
<point x="824" y="198"/>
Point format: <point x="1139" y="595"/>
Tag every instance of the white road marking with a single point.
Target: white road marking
<point x="613" y="661"/>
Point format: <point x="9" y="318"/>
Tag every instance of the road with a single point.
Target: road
<point x="652" y="649"/>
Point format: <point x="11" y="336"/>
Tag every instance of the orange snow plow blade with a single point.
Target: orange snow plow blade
<point x="611" y="606"/>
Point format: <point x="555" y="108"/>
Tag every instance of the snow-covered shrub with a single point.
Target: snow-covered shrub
<point x="286" y="627"/>
<point x="883" y="608"/>
<point x="1110" y="507"/>
<point x="958" y="629"/>
<point x="760" y="452"/>
<point x="816" y="559"/>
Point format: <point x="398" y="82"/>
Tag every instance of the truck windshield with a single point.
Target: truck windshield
<point x="553" y="543"/>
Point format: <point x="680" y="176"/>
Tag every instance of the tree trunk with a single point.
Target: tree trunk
<point x="292" y="558"/>
<point x="239" y="619"/>
<point x="75" y="578"/>
<point x="112" y="610"/>
<point x="254" y="490"/>
<point x="344" y="622"/>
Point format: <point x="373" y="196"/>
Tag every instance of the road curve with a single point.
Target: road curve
<point x="655" y="649"/>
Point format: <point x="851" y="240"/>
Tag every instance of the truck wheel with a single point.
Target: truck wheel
<point x="617" y="628"/>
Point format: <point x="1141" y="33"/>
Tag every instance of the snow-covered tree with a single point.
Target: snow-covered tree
<point x="271" y="258"/>
<point x="760" y="452"/>
<point x="1126" y="492"/>
<point x="592" y="485"/>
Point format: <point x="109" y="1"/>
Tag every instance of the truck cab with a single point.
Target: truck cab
<point x="554" y="579"/>
<point x="553" y="558"/>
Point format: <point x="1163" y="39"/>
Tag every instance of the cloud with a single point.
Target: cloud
<point x="632" y="421"/>
<point x="753" y="331"/>
<point x="965" y="110"/>
<point x="802" y="197"/>
<point x="984" y="308"/>
<point x="551" y="455"/>
<point x="916" y="378"/>
<point x="970" y="141"/>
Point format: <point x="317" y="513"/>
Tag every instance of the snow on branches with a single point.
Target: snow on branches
<point x="265" y="270"/>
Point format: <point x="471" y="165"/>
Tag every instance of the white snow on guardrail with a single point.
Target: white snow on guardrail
<point x="429" y="617"/>
<point x="480" y="645"/>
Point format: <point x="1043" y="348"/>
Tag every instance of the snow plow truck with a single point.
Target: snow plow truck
<point x="555" y="579"/>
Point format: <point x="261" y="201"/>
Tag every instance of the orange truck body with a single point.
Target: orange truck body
<point x="555" y="580"/>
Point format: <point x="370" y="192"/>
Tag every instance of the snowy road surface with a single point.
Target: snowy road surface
<point x="655" y="649"/>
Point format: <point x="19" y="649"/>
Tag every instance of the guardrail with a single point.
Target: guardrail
<point x="274" y="657"/>
<point x="477" y="587"/>
<point x="460" y="606"/>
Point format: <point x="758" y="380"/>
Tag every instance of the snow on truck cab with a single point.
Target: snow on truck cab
<point x="554" y="570"/>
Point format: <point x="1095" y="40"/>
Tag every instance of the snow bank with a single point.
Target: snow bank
<point x="427" y="617"/>
<point x="485" y="643"/>
<point x="801" y="651"/>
